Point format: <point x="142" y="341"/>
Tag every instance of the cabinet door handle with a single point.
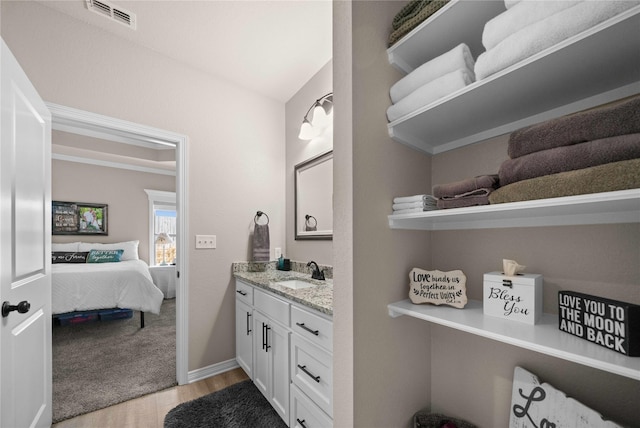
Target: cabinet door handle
<point x="243" y="293"/>
<point x="304" y="327"/>
<point x="301" y="423"/>
<point x="308" y="373"/>
<point x="248" y="323"/>
<point x="266" y="340"/>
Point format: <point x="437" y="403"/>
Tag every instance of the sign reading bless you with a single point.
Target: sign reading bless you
<point x="437" y="287"/>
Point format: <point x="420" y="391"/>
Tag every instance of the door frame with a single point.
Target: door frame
<point x="95" y="125"/>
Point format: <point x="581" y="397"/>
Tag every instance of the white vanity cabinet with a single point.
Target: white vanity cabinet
<point x="271" y="350"/>
<point x="311" y="369"/>
<point x="244" y="327"/>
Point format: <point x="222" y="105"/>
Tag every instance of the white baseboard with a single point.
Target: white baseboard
<point x="212" y="370"/>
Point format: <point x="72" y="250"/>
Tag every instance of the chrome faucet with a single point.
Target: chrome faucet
<point x="316" y="273"/>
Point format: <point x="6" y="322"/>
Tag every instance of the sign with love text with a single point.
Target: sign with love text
<point x="538" y="405"/>
<point x="437" y="287"/>
<point x="609" y="323"/>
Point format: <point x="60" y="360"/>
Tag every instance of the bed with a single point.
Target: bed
<point x="104" y="284"/>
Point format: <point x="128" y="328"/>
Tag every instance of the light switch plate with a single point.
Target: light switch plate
<point x="205" y="241"/>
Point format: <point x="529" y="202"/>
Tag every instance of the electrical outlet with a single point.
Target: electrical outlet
<point x="278" y="252"/>
<point x="205" y="241"/>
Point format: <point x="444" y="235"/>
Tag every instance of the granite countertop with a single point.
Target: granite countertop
<point x="319" y="297"/>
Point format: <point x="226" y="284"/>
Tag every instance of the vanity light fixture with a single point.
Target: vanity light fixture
<point x="318" y="118"/>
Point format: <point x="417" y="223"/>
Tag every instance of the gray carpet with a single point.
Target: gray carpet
<point x="237" y="406"/>
<point x="98" y="364"/>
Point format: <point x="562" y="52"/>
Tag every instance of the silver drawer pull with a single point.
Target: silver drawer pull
<point x="308" y="373"/>
<point x="301" y="325"/>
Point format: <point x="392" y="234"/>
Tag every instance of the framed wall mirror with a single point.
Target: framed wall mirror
<point x="314" y="198"/>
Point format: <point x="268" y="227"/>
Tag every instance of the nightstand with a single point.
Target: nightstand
<point x="164" y="277"/>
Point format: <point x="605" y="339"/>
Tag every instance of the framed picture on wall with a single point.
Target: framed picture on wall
<point x="78" y="218"/>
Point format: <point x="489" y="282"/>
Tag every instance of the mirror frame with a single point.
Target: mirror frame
<point x="296" y="170"/>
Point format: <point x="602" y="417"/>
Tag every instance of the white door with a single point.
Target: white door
<point x="25" y="263"/>
<point x="244" y="337"/>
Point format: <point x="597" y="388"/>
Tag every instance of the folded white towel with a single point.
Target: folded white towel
<point x="408" y="205"/>
<point x="432" y="91"/>
<point x="458" y="57"/>
<point x="414" y="198"/>
<point x="518" y="17"/>
<point x="546" y="33"/>
<point x="414" y="210"/>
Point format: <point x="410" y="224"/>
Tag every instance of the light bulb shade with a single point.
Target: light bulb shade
<point x="307" y="131"/>
<point x="320" y="119"/>
<point x="163" y="238"/>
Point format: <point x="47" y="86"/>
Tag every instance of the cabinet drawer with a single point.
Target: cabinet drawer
<point x="305" y="414"/>
<point x="311" y="371"/>
<point x="274" y="308"/>
<point x="244" y="292"/>
<point x="313" y="327"/>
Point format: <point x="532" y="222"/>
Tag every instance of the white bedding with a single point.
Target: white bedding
<point x="88" y="286"/>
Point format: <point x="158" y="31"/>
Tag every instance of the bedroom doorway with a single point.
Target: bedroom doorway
<point x="93" y="125"/>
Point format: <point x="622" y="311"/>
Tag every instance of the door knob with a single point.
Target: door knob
<point x="22" y="307"/>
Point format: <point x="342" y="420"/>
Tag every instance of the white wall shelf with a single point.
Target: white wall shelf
<point x="571" y="76"/>
<point x="622" y="206"/>
<point x="544" y="337"/>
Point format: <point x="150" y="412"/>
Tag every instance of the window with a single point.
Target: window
<point x="162" y="219"/>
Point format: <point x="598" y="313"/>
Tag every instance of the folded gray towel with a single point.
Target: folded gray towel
<point x="466" y="201"/>
<point x="617" y="119"/>
<point x="602" y="178"/>
<point x="570" y="158"/>
<point x="261" y="246"/>
<point x="458" y="188"/>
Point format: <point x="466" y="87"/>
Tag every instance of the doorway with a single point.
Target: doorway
<point x="80" y="122"/>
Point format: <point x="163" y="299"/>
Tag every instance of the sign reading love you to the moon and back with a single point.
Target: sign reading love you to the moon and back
<point x="437" y="287"/>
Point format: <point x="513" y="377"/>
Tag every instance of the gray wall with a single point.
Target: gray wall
<point x="385" y="369"/>
<point x="300" y="151"/>
<point x="235" y="151"/>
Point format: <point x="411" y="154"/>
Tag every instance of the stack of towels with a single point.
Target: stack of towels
<point x="413" y="204"/>
<point x="588" y="152"/>
<point x="466" y="193"/>
<point x="529" y="27"/>
<point x="412" y="14"/>
<point x="431" y="81"/>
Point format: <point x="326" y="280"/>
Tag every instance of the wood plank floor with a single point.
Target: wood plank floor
<point x="149" y="411"/>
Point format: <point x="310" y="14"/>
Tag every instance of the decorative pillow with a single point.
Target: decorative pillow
<point x="68" y="257"/>
<point x="105" y="256"/>
<point x="130" y="248"/>
<point x="68" y="247"/>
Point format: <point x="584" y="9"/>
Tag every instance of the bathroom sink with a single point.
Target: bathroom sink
<point x="295" y="284"/>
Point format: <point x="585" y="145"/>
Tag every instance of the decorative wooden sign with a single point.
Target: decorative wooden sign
<point x="609" y="323"/>
<point x="536" y="405"/>
<point x="437" y="287"/>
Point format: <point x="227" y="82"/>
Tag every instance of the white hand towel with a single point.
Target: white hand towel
<point x="545" y="33"/>
<point x="408" y="205"/>
<point x="414" y="198"/>
<point x="432" y="91"/>
<point x="518" y="17"/>
<point x="458" y="57"/>
<point x="413" y="210"/>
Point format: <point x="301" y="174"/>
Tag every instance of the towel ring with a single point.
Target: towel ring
<point x="307" y="218"/>
<point x="260" y="214"/>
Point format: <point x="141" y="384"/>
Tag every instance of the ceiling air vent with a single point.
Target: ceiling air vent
<point x="112" y="12"/>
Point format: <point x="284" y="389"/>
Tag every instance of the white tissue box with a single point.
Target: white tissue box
<point x="517" y="298"/>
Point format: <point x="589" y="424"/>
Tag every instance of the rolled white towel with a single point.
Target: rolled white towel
<point x="518" y="17"/>
<point x="543" y="34"/>
<point x="414" y="198"/>
<point x="430" y="92"/>
<point x="510" y="3"/>
<point x="458" y="57"/>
